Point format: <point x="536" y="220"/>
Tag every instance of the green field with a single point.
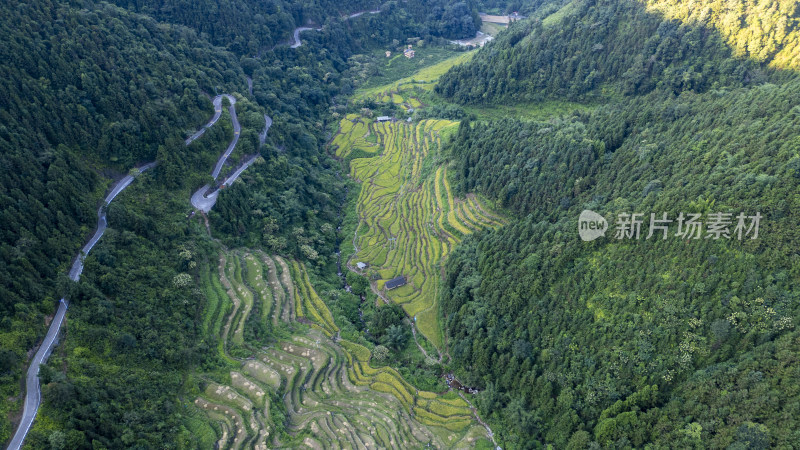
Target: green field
<point x="531" y="111"/>
<point x="492" y="28"/>
<point x="423" y="78"/>
<point x="558" y="16"/>
<point x="398" y="66"/>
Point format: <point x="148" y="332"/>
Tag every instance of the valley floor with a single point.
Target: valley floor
<point x="318" y="388"/>
<point x="409" y="220"/>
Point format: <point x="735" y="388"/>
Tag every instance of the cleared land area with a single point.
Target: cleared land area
<point x="424" y="78"/>
<point x="494" y="18"/>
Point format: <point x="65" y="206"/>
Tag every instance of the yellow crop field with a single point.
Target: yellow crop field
<point x="353" y="132"/>
<point x="313" y="306"/>
<point x="410" y="220"/>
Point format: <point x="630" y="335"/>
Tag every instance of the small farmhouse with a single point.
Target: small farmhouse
<point x="395" y="283"/>
<point x="383" y="119"/>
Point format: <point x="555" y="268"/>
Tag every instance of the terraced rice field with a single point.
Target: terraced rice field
<point x="409" y="218"/>
<point x="352" y="136"/>
<point x="330" y="394"/>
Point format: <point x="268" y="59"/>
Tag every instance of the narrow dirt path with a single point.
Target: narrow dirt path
<point x="489" y="431"/>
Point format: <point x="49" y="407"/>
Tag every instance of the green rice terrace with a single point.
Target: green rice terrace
<point x="309" y="388"/>
<point x="409" y="220"/>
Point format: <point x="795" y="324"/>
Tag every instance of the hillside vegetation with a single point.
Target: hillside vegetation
<point x="685" y="341"/>
<point x="250" y="27"/>
<point x="91" y="90"/>
<point x="601" y="50"/>
<point x="573" y="327"/>
<point x="236" y="328"/>
<point x="762" y="30"/>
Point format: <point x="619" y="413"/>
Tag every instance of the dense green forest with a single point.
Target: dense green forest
<point x="89" y="91"/>
<point x="615" y="343"/>
<point x="528" y="8"/>
<point x="79" y="103"/>
<point x="765" y="31"/>
<point x="603" y="321"/>
<point x="595" y="53"/>
<point x="622" y="342"/>
<point x="248" y="27"/>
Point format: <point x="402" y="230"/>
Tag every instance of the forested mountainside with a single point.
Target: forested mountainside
<point x="677" y="108"/>
<point x="683" y="341"/>
<point x="528" y="8"/>
<point x="578" y="332"/>
<point x="766" y="31"/>
<point x="78" y="96"/>
<point x="91" y="90"/>
<point x="247" y="27"/>
<point x="598" y="49"/>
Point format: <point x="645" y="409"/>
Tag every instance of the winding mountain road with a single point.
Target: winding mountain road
<point x="361" y="13"/>
<point x="205" y="198"/>
<point x="262" y="137"/>
<point x="237" y="130"/>
<point x="296" y="41"/>
<point x="217" y="113"/>
<point x="33" y="395"/>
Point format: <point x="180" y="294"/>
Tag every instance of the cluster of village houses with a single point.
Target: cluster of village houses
<point x="408" y="52"/>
